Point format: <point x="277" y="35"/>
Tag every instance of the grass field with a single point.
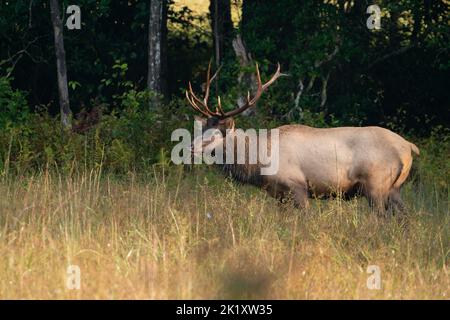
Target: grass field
<point x="198" y="6"/>
<point x="201" y="7"/>
<point x="187" y="234"/>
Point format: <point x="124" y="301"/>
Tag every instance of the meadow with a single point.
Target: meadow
<point x="86" y="180"/>
<point x="189" y="233"/>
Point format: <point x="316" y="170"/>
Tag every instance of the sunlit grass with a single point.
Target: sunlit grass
<point x="201" y="7"/>
<point x="198" y="6"/>
<point x="193" y="234"/>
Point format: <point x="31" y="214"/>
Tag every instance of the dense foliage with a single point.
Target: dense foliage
<point x="339" y="73"/>
<point x="392" y="76"/>
<point x="105" y="58"/>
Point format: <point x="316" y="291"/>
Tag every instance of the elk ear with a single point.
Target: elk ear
<point x="227" y="123"/>
<point x="201" y="119"/>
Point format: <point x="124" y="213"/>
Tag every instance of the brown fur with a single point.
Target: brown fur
<point x="370" y="161"/>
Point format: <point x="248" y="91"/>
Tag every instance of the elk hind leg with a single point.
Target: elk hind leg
<point x="395" y="203"/>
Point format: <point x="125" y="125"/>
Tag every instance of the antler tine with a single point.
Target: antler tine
<point x="208" y="82"/>
<point x="209" y="79"/>
<point x="259" y="91"/>
<point x="204" y="105"/>
<point x="276" y="75"/>
<point x="194" y="105"/>
<point x="219" y="107"/>
<point x="216" y="73"/>
<point x="194" y="97"/>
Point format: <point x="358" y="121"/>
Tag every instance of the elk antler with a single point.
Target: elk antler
<point x="202" y="105"/>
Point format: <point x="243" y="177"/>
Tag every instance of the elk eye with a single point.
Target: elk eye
<point x="212" y="122"/>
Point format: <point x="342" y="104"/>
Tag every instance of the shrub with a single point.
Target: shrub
<point x="132" y="138"/>
<point x="14" y="109"/>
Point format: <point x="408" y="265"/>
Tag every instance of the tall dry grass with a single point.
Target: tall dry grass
<point x="192" y="234"/>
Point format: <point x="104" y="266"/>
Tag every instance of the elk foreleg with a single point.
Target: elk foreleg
<point x="300" y="192"/>
<point x="301" y="197"/>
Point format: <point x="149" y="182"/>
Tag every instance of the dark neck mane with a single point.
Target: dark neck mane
<point x="245" y="173"/>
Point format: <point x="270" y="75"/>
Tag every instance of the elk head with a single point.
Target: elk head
<point x="216" y="121"/>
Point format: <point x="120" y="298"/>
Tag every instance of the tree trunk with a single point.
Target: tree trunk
<point x="157" y="42"/>
<point x="63" y="90"/>
<point x="222" y="27"/>
<point x="245" y="79"/>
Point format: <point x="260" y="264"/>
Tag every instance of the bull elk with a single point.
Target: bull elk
<point x="315" y="162"/>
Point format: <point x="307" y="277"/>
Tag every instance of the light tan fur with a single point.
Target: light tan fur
<point x="372" y="161"/>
